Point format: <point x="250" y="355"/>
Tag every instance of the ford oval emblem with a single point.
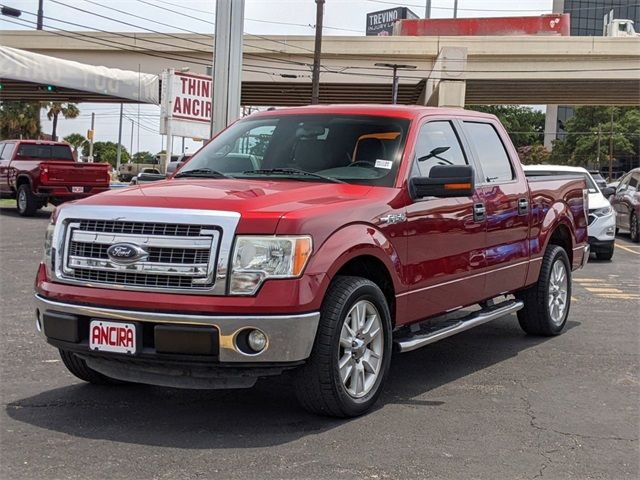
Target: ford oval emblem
<point x="126" y="253"/>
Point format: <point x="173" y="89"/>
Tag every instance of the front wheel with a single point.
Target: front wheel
<point x="79" y="368"/>
<point x="343" y="377"/>
<point x="547" y="302"/>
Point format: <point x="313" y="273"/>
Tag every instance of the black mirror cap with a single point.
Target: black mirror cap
<point x="444" y="181"/>
<point x="608" y="191"/>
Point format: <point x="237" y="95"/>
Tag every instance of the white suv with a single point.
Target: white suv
<point x="602" y="218"/>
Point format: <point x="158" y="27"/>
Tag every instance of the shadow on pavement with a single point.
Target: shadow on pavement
<point x="265" y="415"/>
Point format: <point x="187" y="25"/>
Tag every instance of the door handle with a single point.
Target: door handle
<point x="479" y="212"/>
<point x="523" y="206"/>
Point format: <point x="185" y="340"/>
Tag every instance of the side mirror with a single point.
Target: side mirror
<point x="608" y="191"/>
<point x="444" y="181"/>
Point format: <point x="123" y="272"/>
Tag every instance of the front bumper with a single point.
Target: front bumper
<point x="598" y="245"/>
<point x="290" y="337"/>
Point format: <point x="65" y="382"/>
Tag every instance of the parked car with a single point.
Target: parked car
<point x="626" y="203"/>
<point x="602" y="218"/>
<point x="147" y="175"/>
<point x="177" y="162"/>
<point x="38" y="172"/>
<point x="316" y="262"/>
<point x="127" y="171"/>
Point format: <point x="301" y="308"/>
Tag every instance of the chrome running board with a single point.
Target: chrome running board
<point x="439" y="332"/>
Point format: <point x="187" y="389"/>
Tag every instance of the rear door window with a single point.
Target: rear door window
<point x="490" y="152"/>
<point x="6" y="150"/>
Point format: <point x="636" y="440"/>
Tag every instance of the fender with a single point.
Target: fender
<point x="353" y="241"/>
<point x="13" y="182"/>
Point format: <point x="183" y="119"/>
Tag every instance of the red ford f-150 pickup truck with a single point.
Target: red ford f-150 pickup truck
<point x="311" y="240"/>
<point x="37" y="172"/>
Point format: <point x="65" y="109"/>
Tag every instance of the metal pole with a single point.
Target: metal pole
<point x="611" y="148"/>
<point x="317" y="52"/>
<point x="119" y="150"/>
<point x="427" y="9"/>
<point x="131" y="147"/>
<point x="40" y="15"/>
<point x="182" y="144"/>
<point x="93" y="122"/>
<point x="598" y="151"/>
<point x="394" y="96"/>
<point x="455" y="8"/>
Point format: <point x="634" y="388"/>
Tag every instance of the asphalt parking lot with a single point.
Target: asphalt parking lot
<point x="489" y="403"/>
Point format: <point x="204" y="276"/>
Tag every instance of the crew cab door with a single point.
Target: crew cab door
<point x="6" y="150"/>
<point x="506" y="200"/>
<point x="445" y="238"/>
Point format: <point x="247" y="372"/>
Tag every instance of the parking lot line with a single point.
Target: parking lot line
<point x="603" y="290"/>
<point x="628" y="248"/>
<point x="620" y="296"/>
<point x="588" y="280"/>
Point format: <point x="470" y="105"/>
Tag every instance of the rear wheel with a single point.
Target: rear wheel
<point x="79" y="368"/>
<point x="547" y="302"/>
<point x="634" y="227"/>
<point x="343" y="377"/>
<point x="27" y="203"/>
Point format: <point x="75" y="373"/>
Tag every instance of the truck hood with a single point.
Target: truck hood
<point x="261" y="203"/>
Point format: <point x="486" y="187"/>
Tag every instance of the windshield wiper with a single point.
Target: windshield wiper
<point x="291" y="171"/>
<point x="201" y="172"/>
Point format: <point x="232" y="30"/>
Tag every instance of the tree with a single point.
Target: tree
<point x="590" y="128"/>
<point x="76" y="140"/>
<point x="534" y="155"/>
<point x="19" y="120"/>
<point x="524" y="124"/>
<point x="67" y="110"/>
<point x="143" y="157"/>
<point x="106" y="152"/>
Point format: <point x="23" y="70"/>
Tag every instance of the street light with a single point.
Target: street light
<point x="395" y="67"/>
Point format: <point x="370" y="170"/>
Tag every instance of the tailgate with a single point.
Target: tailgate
<point x="75" y="173"/>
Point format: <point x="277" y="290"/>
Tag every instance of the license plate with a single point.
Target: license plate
<point x="112" y="337"/>
<point x="77" y="189"/>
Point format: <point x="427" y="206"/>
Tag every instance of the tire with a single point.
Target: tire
<point x="79" y="368"/>
<point x="634" y="228"/>
<point x="318" y="384"/>
<point x="538" y="317"/>
<point x="605" y="254"/>
<point x="26" y="202"/>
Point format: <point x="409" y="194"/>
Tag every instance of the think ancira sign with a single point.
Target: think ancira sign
<point x="381" y="22"/>
<point x="186" y="104"/>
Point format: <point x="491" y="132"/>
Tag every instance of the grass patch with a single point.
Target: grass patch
<point x="7" y="202"/>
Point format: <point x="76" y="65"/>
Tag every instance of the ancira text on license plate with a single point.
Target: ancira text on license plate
<point x="112" y="337"/>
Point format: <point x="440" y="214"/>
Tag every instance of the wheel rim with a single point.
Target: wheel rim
<point x="558" y="284"/>
<point x="361" y="349"/>
<point x="22" y="200"/>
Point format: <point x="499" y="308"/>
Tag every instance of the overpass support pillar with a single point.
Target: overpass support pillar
<point x="446" y="86"/>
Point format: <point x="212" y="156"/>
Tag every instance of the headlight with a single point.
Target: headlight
<point x="602" y="212"/>
<point x="256" y="259"/>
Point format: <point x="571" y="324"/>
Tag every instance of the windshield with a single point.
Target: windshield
<point x="44" y="152"/>
<point x="348" y="148"/>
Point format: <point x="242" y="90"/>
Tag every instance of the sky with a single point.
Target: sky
<point x="342" y="17"/>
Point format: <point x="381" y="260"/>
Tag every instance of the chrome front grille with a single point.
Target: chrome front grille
<point x="172" y="256"/>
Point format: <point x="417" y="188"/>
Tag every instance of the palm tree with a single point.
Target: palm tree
<point x="76" y="140"/>
<point x="68" y="110"/>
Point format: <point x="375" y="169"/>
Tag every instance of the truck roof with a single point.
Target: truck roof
<point x="402" y="111"/>
<point x="36" y="142"/>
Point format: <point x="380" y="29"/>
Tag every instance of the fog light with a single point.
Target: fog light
<point x="611" y="231"/>
<point x="257" y="340"/>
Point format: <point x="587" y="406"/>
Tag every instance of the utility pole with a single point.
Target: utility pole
<point x="40" y="14"/>
<point x="317" y="52"/>
<point x="455" y="8"/>
<point x="395" y="67"/>
<point x="131" y="146"/>
<point x="598" y="151"/>
<point x="119" y="150"/>
<point x="93" y="124"/>
<point x="611" y="148"/>
<point x="427" y="9"/>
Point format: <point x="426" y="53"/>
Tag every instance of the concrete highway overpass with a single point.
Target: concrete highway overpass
<point x="450" y="70"/>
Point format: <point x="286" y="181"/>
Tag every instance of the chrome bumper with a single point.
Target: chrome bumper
<point x="290" y="337"/>
<point x="585" y="255"/>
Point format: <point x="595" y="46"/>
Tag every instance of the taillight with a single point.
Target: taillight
<point x="44" y="174"/>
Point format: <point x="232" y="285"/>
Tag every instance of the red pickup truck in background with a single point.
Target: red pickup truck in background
<point x="311" y="240"/>
<point x="37" y="172"/>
